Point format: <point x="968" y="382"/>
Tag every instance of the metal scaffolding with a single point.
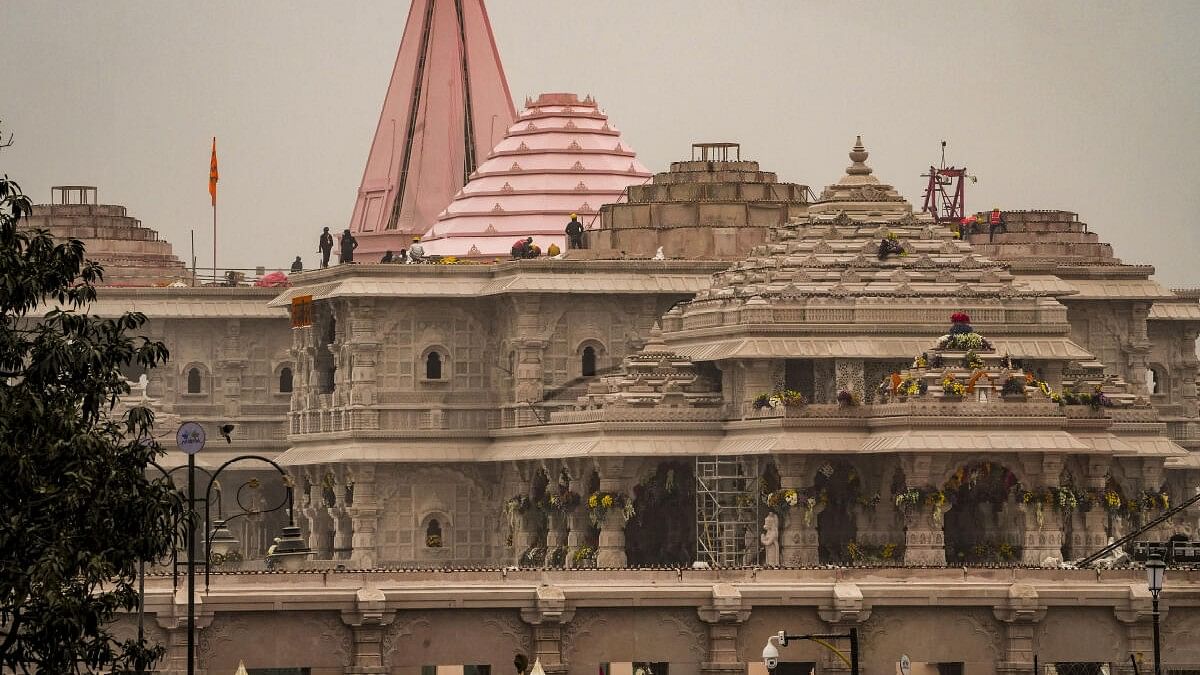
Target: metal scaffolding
<point x="728" y="526"/>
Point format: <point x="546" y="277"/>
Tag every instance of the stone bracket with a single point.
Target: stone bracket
<point x="550" y="606"/>
<point x="846" y="605"/>
<point x="1022" y="605"/>
<point x="726" y="606"/>
<point x="370" y="609"/>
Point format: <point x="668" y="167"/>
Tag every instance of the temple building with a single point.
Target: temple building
<point x="745" y="407"/>
<point x="561" y="157"/>
<point x="860" y="414"/>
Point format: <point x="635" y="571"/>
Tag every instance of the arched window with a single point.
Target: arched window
<point x="193" y="382"/>
<point x="589" y="361"/>
<point x="433" y="534"/>
<point x="1153" y="381"/>
<point x="433" y="366"/>
<point x="285" y="380"/>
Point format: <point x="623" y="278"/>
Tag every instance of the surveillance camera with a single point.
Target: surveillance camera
<point x="771" y="654"/>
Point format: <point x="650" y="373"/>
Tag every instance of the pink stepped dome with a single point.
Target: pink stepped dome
<point x="560" y="157"/>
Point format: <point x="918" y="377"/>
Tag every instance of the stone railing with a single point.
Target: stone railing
<point x="657" y="414"/>
<point x="922" y="407"/>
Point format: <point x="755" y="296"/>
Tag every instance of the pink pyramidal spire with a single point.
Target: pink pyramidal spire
<point x="447" y="105"/>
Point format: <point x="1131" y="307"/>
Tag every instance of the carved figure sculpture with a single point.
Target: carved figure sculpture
<point x="770" y="540"/>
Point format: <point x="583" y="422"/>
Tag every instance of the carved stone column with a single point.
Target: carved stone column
<point x="723" y="615"/>
<point x="1020" y="614"/>
<point x="757" y="378"/>
<point x="613" y="478"/>
<point x="1043" y="533"/>
<point x="579" y="528"/>
<point x="924" y="538"/>
<point x="556" y="532"/>
<point x="367" y="622"/>
<point x="174" y="622"/>
<point x="799" y="542"/>
<point x="846" y="609"/>
<point x="364" y="517"/>
<point x="547" y="617"/>
<point x="1138" y="617"/>
<point x="525" y="523"/>
<point x="230" y="366"/>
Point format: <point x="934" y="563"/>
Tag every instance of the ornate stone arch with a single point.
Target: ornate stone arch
<point x="596" y="358"/>
<point x="435" y="363"/>
<point x="280" y="378"/>
<point x="195" y="379"/>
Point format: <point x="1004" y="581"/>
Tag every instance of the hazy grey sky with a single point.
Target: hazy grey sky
<point x="1085" y="106"/>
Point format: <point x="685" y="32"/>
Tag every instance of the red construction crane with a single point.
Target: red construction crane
<point x="945" y="195"/>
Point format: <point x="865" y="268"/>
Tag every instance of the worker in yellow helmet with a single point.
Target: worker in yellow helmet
<point x="575" y="232"/>
<point x="416" y="252"/>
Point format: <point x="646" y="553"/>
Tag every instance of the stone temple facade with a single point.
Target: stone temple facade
<point x="533" y="453"/>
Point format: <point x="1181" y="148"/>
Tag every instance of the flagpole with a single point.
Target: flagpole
<point x="214" y="240"/>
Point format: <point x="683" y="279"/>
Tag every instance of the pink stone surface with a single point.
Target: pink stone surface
<point x="435" y="165"/>
<point x="561" y="156"/>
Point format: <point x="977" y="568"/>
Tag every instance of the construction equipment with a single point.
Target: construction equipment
<point x="1176" y="551"/>
<point x="945" y="194"/>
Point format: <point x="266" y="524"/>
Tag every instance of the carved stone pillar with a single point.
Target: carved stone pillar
<point x="556" y="532"/>
<point x="1043" y="533"/>
<point x="547" y="617"/>
<point x="799" y="541"/>
<point x="611" y="550"/>
<point x="174" y="622"/>
<point x="523" y="525"/>
<point x="1138" y="617"/>
<point x="845" y="610"/>
<point x="723" y="615"/>
<point x="579" y="528"/>
<point x="367" y="622"/>
<point x="364" y="517"/>
<point x="924" y="537"/>
<point x="1020" y="614"/>
<point x="230" y="366"/>
<point x="757" y="378"/>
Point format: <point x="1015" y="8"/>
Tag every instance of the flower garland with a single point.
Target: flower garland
<point x="929" y="496"/>
<point x="785" y="398"/>
<point x="515" y="506"/>
<point x="564" y="501"/>
<point x="584" y="554"/>
<point x="600" y="503"/>
<point x="785" y="499"/>
<point x="952" y="387"/>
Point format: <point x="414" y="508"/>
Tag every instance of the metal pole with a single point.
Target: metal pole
<point x="191" y="567"/>
<point x="853" y="651"/>
<point x="141" y="609"/>
<point x="1157" y="667"/>
<point x="214" y="239"/>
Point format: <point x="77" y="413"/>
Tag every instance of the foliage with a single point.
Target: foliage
<point x="959" y="342"/>
<point x="952" y="387"/>
<point x="889" y="246"/>
<point x="868" y="553"/>
<point x="1014" y="386"/>
<point x="584" y="554"/>
<point x="971" y="360"/>
<point x="534" y="556"/>
<point x="79" y="512"/>
<point x="600" y="503"/>
<point x="912" y="498"/>
<point x="786" y="398"/>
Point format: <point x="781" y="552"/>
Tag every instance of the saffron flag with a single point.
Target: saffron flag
<point x="212" y="173"/>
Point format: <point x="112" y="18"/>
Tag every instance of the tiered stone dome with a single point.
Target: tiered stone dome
<point x="132" y="255"/>
<point x="560" y="157"/>
<point x="860" y="263"/>
<point x="713" y="206"/>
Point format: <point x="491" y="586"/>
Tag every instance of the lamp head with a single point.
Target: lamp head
<point x="221" y="542"/>
<point x="1155" y="570"/>
<point x="290" y="549"/>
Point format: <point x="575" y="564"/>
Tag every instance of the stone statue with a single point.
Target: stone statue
<point x="770" y="540"/>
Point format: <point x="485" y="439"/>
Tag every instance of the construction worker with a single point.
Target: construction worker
<point x="297" y="265"/>
<point x="325" y="247"/>
<point x="575" y="232"/>
<point x="416" y="252"/>
<point x="522" y="248"/>
<point x="995" y="222"/>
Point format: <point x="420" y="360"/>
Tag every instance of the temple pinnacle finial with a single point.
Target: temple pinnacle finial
<point x="858" y="155"/>
<point x="655" y="343"/>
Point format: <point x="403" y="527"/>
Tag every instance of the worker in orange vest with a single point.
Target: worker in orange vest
<point x="995" y="222"/>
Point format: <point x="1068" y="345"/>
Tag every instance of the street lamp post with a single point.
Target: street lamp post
<point x="1155" y="569"/>
<point x="218" y="540"/>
